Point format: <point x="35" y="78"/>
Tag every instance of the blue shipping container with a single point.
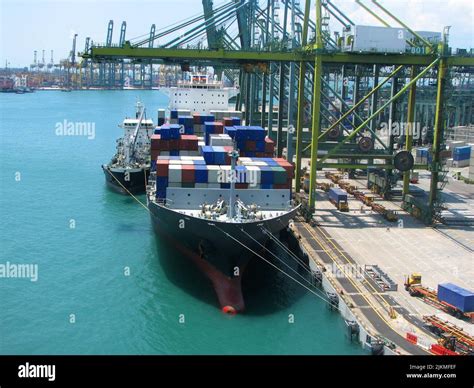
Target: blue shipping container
<point x="219" y="157"/>
<point x="161" y="182"/>
<point x="175" y="131"/>
<point x="462" y="153"/>
<point x="236" y="121"/>
<point x="230" y="131"/>
<point x="200" y="173"/>
<point x="165" y="132"/>
<point x="456" y="296"/>
<point x="208" y="154"/>
<point x="266" y="175"/>
<point x="337" y="195"/>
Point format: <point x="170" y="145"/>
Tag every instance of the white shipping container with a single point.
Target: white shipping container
<point x="184" y="112"/>
<point x="201" y="185"/>
<point x="375" y="39"/>
<point x="220" y="140"/>
<point x="254" y="174"/>
<point x="213" y="173"/>
<point x="262" y="164"/>
<point x="174" y="173"/>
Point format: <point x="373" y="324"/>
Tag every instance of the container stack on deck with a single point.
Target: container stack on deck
<point x="193" y="171"/>
<point x="182" y="159"/>
<point x="168" y="141"/>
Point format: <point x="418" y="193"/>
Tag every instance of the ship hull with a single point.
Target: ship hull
<point x="220" y="250"/>
<point x="126" y="181"/>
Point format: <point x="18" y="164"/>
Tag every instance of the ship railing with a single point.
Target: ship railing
<point x="164" y="202"/>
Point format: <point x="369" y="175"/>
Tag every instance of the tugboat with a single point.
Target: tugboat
<point x="129" y="169"/>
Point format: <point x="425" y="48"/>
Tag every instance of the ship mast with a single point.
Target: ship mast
<point x="234" y="154"/>
<point x="133" y="138"/>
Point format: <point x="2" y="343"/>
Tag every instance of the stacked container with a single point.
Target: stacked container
<point x="188" y="124"/>
<point x="175" y="113"/>
<point x="212" y="127"/>
<point x="192" y="171"/>
<point x="184" y="145"/>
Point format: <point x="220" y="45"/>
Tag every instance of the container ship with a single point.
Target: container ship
<point x="129" y="169"/>
<point x="217" y="194"/>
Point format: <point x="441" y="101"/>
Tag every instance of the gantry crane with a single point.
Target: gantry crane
<point x="312" y="75"/>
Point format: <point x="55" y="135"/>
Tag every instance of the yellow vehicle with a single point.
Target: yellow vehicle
<point x="369" y="199"/>
<point x="343" y="206"/>
<point x="413" y="280"/>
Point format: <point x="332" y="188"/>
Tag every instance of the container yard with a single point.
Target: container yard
<point x="297" y="177"/>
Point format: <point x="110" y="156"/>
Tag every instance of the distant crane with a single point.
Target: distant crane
<point x="123" y="31"/>
<point x="41" y="64"/>
<point x="34" y="65"/>
<point x="72" y="63"/>
<point x="51" y="63"/>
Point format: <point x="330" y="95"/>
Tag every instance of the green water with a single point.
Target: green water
<point x="82" y="270"/>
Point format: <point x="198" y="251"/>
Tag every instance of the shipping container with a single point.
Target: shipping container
<point x="456" y="296"/>
<point x="337" y="195"/>
<point x="375" y="39"/>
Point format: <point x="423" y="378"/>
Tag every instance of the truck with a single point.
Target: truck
<point x="338" y="197"/>
<point x="449" y="298"/>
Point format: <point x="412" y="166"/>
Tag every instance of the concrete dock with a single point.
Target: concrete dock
<point x="349" y="242"/>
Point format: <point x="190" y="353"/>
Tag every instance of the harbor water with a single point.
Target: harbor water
<point x="105" y="283"/>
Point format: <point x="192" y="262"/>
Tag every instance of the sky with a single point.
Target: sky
<point x="28" y="25"/>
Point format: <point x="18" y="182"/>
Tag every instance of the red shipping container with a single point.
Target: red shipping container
<point x="241" y="185"/>
<point x="162" y="167"/>
<point x="269" y="145"/>
<point x="250" y="145"/>
<point x="189" y="142"/>
<point x="164" y="145"/>
<point x="290" y="170"/>
<point x="228" y="122"/>
<point x="155" y="142"/>
<point x="154" y="154"/>
<point x="281" y="186"/>
<point x="260" y="155"/>
<point x="187" y="173"/>
<point x="173" y="144"/>
<point x="219" y="127"/>
<point x="196" y="118"/>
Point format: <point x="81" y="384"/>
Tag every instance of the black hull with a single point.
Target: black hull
<point x="220" y="250"/>
<point x="134" y="182"/>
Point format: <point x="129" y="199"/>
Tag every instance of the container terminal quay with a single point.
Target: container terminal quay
<point x="377" y="121"/>
<point x="373" y="126"/>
